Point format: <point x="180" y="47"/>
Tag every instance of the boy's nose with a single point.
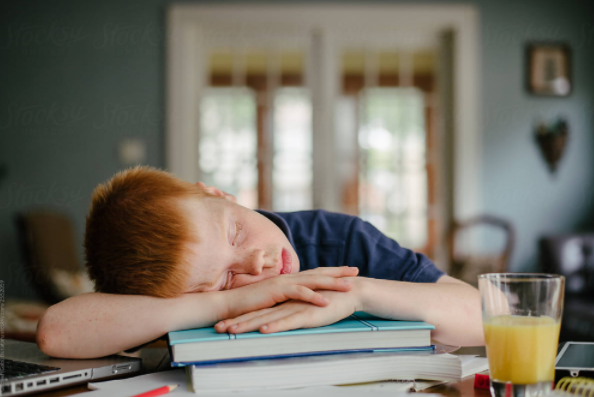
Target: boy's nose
<point x="255" y="261"/>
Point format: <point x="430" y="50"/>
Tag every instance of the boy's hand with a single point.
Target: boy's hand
<point x="297" y="287"/>
<point x="295" y="314"/>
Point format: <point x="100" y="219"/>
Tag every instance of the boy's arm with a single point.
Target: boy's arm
<point x="97" y="324"/>
<point x="452" y="306"/>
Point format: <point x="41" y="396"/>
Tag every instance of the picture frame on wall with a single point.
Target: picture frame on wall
<point x="549" y="69"/>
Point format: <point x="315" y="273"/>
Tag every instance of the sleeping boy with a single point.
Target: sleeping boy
<point x="167" y="255"/>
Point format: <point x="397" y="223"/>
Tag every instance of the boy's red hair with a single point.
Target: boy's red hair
<point x="135" y="234"/>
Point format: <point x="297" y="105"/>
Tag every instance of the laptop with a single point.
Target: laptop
<point x="26" y="369"/>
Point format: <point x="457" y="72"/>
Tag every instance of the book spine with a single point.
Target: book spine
<point x="307" y="354"/>
<point x="170" y="349"/>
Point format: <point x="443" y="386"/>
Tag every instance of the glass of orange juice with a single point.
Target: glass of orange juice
<point x="521" y="320"/>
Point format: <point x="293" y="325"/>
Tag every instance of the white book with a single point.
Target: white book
<point x="341" y="369"/>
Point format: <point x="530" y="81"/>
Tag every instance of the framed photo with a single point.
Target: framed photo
<point x="549" y="69"/>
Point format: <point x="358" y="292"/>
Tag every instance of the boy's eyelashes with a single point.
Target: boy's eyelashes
<point x="227" y="282"/>
<point x="236" y="233"/>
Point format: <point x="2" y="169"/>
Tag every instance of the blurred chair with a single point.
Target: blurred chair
<point x="573" y="257"/>
<point x="467" y="266"/>
<point x="48" y="247"/>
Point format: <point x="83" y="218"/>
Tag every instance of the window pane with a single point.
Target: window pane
<point x="292" y="163"/>
<point x="228" y="143"/>
<point x="393" y="176"/>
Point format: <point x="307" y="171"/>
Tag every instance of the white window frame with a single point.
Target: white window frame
<point x="189" y="30"/>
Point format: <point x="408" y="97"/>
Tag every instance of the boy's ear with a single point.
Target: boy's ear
<point x="217" y="192"/>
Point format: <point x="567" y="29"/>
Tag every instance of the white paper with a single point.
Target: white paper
<point x="473" y="364"/>
<point x="139" y="384"/>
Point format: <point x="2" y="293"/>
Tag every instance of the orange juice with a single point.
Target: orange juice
<point x="521" y="349"/>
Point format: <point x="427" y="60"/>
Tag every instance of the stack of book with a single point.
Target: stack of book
<point x="360" y="348"/>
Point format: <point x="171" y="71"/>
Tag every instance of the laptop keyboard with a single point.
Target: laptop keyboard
<point x="19" y="369"/>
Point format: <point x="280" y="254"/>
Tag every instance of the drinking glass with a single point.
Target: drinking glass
<point x="521" y="320"/>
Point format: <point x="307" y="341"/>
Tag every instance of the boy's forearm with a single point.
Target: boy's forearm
<point x="454" y="308"/>
<point x="96" y="324"/>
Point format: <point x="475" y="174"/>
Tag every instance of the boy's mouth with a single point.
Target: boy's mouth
<point x="287" y="262"/>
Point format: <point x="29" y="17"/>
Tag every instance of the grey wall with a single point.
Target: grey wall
<point x="516" y="184"/>
<point x="76" y="77"/>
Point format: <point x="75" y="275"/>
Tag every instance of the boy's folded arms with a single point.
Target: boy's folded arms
<point x="305" y="287"/>
<point x="440" y="304"/>
<point x="97" y="324"/>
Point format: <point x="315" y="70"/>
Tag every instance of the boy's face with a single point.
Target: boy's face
<point x="237" y="246"/>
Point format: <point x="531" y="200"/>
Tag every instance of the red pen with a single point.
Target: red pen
<point x="157" y="392"/>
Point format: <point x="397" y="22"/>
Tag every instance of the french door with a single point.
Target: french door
<point x="304" y="107"/>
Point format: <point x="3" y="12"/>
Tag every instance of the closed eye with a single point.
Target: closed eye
<point x="238" y="229"/>
<point x="227" y="283"/>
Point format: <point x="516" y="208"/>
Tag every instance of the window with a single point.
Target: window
<point x="227" y="143"/>
<point x="292" y="163"/>
<point x="389" y="92"/>
<point x="392" y="172"/>
<point x="255" y="134"/>
<point x="361" y="60"/>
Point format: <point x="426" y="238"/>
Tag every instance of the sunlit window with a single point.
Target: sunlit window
<point x="392" y="172"/>
<point x="228" y="143"/>
<point x="292" y="163"/>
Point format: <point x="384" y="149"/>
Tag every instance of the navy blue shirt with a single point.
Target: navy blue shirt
<point x="328" y="239"/>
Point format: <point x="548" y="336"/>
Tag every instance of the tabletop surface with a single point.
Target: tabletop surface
<point x="154" y="359"/>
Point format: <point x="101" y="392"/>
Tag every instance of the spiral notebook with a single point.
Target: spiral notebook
<point x="579" y="386"/>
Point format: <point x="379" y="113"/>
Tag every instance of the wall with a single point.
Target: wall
<point x="76" y="77"/>
<point x="516" y="183"/>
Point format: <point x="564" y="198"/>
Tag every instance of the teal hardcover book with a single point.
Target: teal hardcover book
<point x="360" y="332"/>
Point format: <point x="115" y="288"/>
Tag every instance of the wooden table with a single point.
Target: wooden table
<point x="153" y="359"/>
